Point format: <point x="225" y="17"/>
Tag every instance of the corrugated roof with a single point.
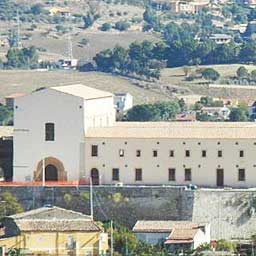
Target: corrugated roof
<point x="6" y="131"/>
<point x="176" y="130"/>
<point x="82" y="91"/>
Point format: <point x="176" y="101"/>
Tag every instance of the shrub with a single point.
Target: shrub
<point x="210" y="74"/>
<point x="242" y="72"/>
<point x="122" y="25"/>
<point x="105" y="27"/>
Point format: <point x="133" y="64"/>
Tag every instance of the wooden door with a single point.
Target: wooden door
<point x="220" y="177"/>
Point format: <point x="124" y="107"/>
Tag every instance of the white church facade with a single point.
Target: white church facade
<point x="72" y="130"/>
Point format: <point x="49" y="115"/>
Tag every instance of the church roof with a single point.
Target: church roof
<point x="83" y="91"/>
<point x="176" y="130"/>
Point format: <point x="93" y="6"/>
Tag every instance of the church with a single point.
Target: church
<point x="69" y="133"/>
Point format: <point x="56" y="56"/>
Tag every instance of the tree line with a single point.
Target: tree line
<point x="178" y="47"/>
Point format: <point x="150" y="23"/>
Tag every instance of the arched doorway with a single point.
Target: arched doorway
<point x="95" y="176"/>
<point x="51" y="173"/>
<point x="54" y="170"/>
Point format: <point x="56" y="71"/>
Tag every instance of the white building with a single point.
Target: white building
<point x="123" y="102"/>
<point x="218" y="112"/>
<point x="174" y="234"/>
<point x="73" y="128"/>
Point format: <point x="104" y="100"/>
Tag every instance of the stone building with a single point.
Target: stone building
<point x="71" y="133"/>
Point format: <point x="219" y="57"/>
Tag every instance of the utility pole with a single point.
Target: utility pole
<point x="91" y="198"/>
<point x="43" y="172"/>
<point x="111" y="238"/>
<point x="18" y="30"/>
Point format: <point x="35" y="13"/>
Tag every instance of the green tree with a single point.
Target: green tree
<point x="9" y="205"/>
<point x="238" y="115"/>
<point x="242" y="72"/>
<point x="224" y="245"/>
<point x="6" y="115"/>
<point x="253" y="74"/>
<point x="36" y="9"/>
<point x="142" y="113"/>
<point x="88" y="20"/>
<point x="248" y="52"/>
<point x="210" y="74"/>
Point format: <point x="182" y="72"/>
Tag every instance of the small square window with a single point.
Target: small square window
<point x="187" y="153"/>
<point x="172" y="174"/>
<point x="138" y="174"/>
<point x="203" y="153"/>
<point x="171" y="153"/>
<point x="121" y="152"/>
<point x="241" y="153"/>
<point x="241" y="174"/>
<point x="219" y="153"/>
<point x="138" y="153"/>
<point x="188" y="175"/>
<point x="94" y="150"/>
<point x="115" y="174"/>
<point x="154" y="153"/>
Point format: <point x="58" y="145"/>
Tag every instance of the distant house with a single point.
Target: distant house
<point x="174" y="235"/>
<point x="52" y="231"/>
<point x="59" y="11"/>
<point x="68" y="63"/>
<point x="186" y="117"/>
<point x="219" y="112"/>
<point x="123" y="101"/>
<point x="221" y="38"/>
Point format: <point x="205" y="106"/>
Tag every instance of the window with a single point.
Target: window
<point x="115" y="174"/>
<point x="171" y="153"/>
<point x="138" y="174"/>
<point x="187" y="153"/>
<point x="121" y="152"/>
<point x="219" y="153"/>
<point x="138" y="153"/>
<point x="172" y="174"/>
<point x="241" y="174"/>
<point x="188" y="175"/>
<point x="154" y="153"/>
<point x="49" y="131"/>
<point x="94" y="150"/>
<point x="241" y="153"/>
<point x="203" y="153"/>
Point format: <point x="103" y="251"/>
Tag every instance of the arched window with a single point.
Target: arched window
<point x="49" y="131"/>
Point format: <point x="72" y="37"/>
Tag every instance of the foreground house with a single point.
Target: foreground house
<point x="175" y="235"/>
<point x="69" y="133"/>
<point x="52" y="231"/>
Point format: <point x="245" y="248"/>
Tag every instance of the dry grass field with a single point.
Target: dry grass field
<point x="27" y="81"/>
<point x="175" y="76"/>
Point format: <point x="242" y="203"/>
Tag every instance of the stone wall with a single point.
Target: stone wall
<point x="230" y="212"/>
<point x="124" y="204"/>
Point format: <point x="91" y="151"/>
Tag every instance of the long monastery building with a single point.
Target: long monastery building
<point x="71" y="133"/>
